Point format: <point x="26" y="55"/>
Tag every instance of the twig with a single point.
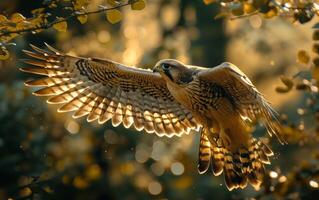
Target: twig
<point x="246" y="15"/>
<point x="276" y="4"/>
<point x="73" y="15"/>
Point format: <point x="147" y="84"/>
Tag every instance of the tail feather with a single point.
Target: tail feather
<point x="246" y="165"/>
<point x="234" y="177"/>
<point x="217" y="159"/>
<point x="204" y="157"/>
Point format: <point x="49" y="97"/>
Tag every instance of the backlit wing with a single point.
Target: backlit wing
<point x="104" y="90"/>
<point x="248" y="100"/>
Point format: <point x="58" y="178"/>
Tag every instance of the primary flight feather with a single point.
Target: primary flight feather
<point x="173" y="99"/>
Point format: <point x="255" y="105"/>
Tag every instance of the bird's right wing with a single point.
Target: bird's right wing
<point x="105" y="90"/>
<point x="248" y="100"/>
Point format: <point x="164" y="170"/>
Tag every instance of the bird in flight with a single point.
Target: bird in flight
<point x="220" y="102"/>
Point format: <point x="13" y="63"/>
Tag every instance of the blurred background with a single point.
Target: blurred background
<point x="49" y="155"/>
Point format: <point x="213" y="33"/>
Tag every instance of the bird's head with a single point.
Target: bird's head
<point x="174" y="71"/>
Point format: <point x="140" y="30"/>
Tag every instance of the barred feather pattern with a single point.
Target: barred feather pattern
<point x="240" y="168"/>
<point x="104" y="90"/>
<point x="249" y="102"/>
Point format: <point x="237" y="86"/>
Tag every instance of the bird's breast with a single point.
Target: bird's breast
<point x="180" y="94"/>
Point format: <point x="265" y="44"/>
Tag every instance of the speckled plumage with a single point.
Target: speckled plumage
<point x="174" y="101"/>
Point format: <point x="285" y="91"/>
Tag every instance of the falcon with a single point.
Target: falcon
<point x="221" y="103"/>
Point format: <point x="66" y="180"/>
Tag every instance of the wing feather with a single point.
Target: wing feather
<point x="248" y="100"/>
<point x="105" y="90"/>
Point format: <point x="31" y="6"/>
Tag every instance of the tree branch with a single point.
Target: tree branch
<point x="73" y="15"/>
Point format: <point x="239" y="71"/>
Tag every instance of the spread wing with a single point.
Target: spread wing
<point x="249" y="102"/>
<point x="104" y="90"/>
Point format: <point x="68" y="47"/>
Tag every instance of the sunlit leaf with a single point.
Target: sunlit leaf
<point x="80" y="4"/>
<point x="53" y="5"/>
<point x="249" y="8"/>
<point x="17" y="17"/>
<point x="3" y="18"/>
<point x="113" y="16"/>
<point x="271" y="13"/>
<point x="221" y="15"/>
<point x="237" y="9"/>
<point x="38" y="20"/>
<point x="83" y="19"/>
<point x="4" y="54"/>
<point x="303" y="57"/>
<point x="61" y="26"/>
<point x="209" y="1"/>
<point x="37" y="11"/>
<point x="8" y="37"/>
<point x="138" y="5"/>
<point x="113" y="2"/>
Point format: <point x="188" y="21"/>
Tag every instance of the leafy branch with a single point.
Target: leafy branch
<point x="301" y="11"/>
<point x="65" y="19"/>
<point x="17" y="24"/>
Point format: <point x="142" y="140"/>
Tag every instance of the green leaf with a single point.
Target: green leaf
<point x="138" y="5"/>
<point x="17" y="17"/>
<point x="83" y="19"/>
<point x="237" y="9"/>
<point x="113" y="2"/>
<point x="3" y="19"/>
<point x="113" y="16"/>
<point x="61" y="26"/>
<point x="4" y="54"/>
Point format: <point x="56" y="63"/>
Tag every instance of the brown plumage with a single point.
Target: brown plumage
<point x="172" y="100"/>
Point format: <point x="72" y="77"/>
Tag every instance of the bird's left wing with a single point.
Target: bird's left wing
<point x="249" y="102"/>
<point x="105" y="90"/>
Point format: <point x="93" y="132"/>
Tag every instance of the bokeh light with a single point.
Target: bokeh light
<point x="177" y="168"/>
<point x="313" y="184"/>
<point x="155" y="188"/>
<point x="72" y="126"/>
<point x="273" y="174"/>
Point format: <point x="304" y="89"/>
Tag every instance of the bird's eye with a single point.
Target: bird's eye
<point x="165" y="66"/>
